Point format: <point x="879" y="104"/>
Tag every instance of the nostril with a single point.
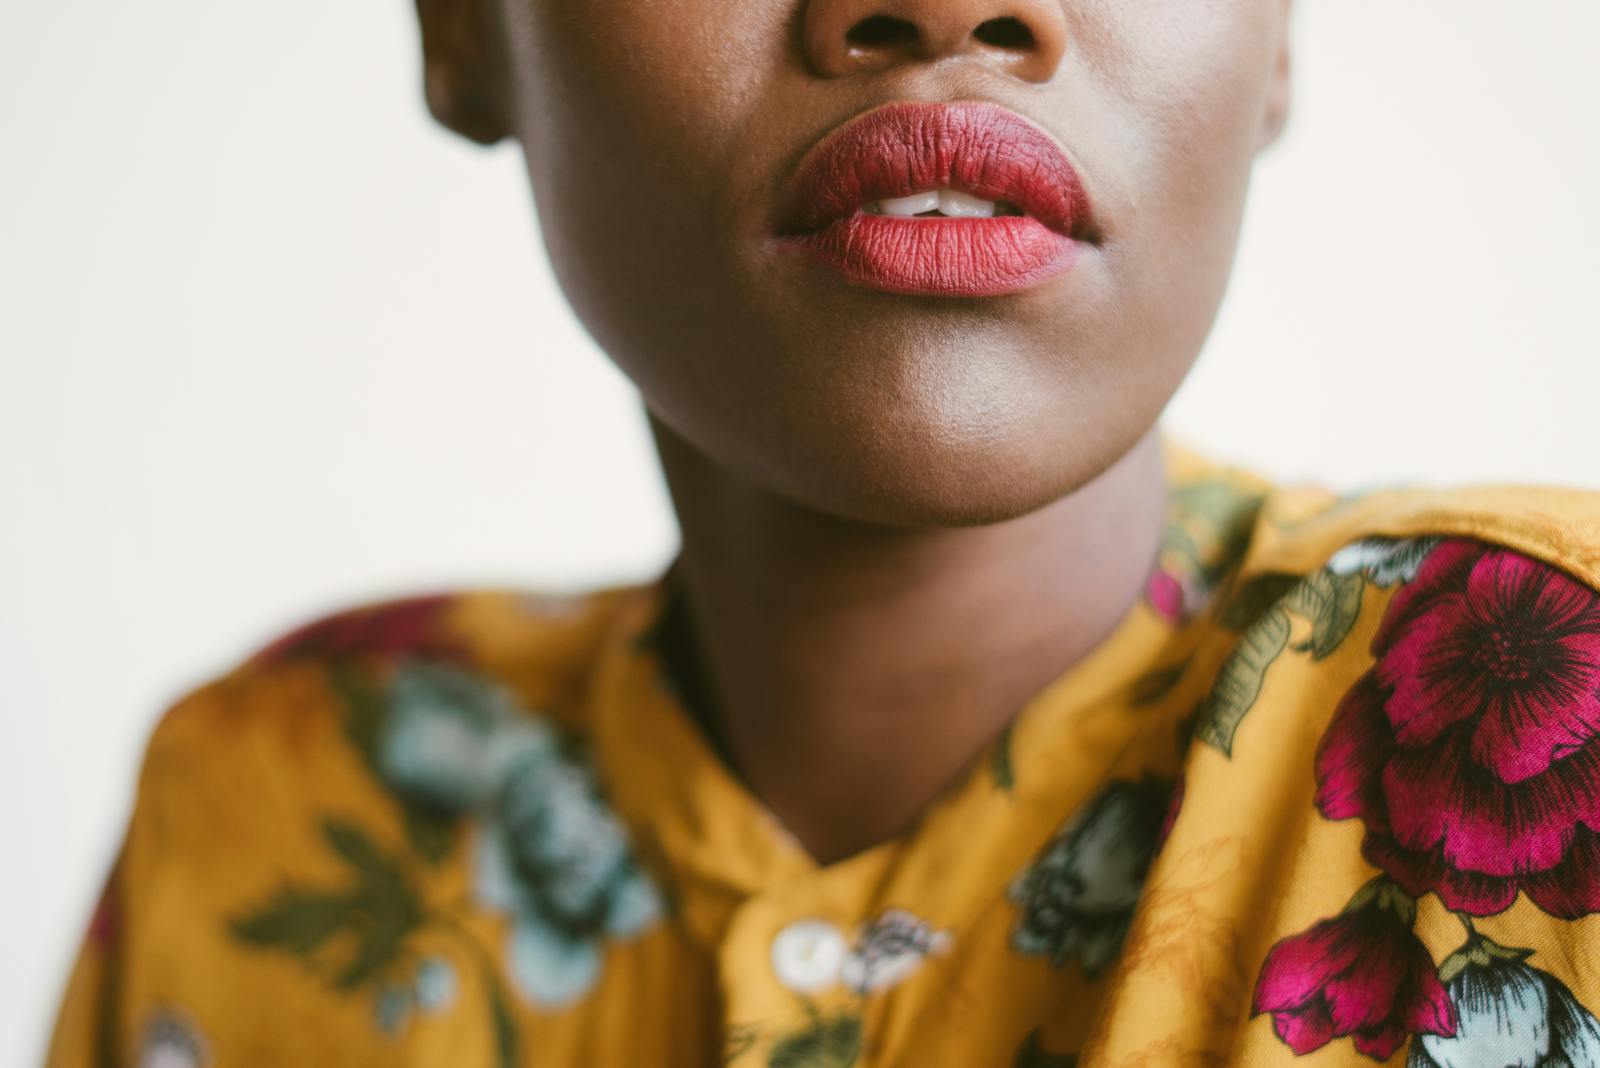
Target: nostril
<point x="1005" y="33"/>
<point x="880" y="31"/>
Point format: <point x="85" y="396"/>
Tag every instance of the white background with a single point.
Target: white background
<point x="269" y="343"/>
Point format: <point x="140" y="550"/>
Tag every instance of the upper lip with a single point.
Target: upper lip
<point x="908" y="147"/>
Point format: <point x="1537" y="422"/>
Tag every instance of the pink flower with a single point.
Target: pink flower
<point x="1362" y="974"/>
<point x="1165" y="594"/>
<point x="1471" y="750"/>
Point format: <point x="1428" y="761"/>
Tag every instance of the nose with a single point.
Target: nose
<point x="1023" y="37"/>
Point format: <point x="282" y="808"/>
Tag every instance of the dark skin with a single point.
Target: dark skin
<point x="902" y="516"/>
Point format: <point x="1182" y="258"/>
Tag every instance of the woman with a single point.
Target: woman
<point x="974" y="723"/>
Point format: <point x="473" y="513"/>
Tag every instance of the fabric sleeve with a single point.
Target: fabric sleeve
<point x="83" y="1024"/>
<point x="98" y="1021"/>
<point x="1389" y="844"/>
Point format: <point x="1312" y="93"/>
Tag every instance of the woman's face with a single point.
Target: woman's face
<point x="731" y="259"/>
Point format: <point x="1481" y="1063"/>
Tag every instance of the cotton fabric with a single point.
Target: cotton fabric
<point x="1328" y="794"/>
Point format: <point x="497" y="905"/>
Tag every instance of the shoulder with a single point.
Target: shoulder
<point x="1399" y="735"/>
<point x="1434" y="589"/>
<point x="1274" y="537"/>
<point x="343" y="783"/>
<point x="1560" y="526"/>
<point x="329" y="693"/>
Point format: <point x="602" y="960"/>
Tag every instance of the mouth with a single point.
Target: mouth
<point x="958" y="200"/>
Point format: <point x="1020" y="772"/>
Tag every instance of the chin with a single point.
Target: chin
<point x="942" y="477"/>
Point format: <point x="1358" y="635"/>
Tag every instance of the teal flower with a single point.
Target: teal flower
<point x="1386" y="562"/>
<point x="549" y="850"/>
<point x="430" y="990"/>
<point x="555" y="857"/>
<point x="1076" y="900"/>
<point x="450" y="738"/>
<point x="1512" y="1014"/>
<point x="435" y="985"/>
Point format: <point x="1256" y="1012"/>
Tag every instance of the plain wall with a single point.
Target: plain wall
<point x="270" y="344"/>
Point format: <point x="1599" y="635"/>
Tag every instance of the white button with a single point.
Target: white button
<point x="807" y="955"/>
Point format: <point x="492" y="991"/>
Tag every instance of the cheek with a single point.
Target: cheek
<point x="1180" y="89"/>
<point x="630" y="113"/>
<point x="638" y="88"/>
<point x="1188" y="80"/>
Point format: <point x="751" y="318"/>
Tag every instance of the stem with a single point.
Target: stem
<point x="504" y="1027"/>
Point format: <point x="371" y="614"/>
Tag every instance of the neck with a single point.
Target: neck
<point x="852" y="671"/>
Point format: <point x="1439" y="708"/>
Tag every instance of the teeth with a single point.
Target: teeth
<point x="915" y="204"/>
<point x="947" y="202"/>
<point x="964" y="206"/>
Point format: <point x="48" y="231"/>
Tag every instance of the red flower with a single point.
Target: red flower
<point x="1363" y="974"/>
<point x="105" y="926"/>
<point x="394" y="628"/>
<point x="1471" y="750"/>
<point x="1173" y="808"/>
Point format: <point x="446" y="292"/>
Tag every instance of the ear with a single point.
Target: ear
<point x="1279" y="93"/>
<point x="461" y="76"/>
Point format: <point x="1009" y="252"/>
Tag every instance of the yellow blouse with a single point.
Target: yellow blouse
<point x="1330" y="793"/>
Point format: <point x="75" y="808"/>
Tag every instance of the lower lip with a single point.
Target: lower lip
<point x="940" y="257"/>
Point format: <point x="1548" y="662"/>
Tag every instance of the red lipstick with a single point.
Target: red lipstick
<point x="900" y="150"/>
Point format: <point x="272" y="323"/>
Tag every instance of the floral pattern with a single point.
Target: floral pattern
<point x="1208" y="527"/>
<point x="1471" y="750"/>
<point x="1362" y="974"/>
<point x="170" y="1039"/>
<point x="812" y="958"/>
<point x="549" y="851"/>
<point x="452" y="746"/>
<point x="463" y="884"/>
<point x="833" y="1040"/>
<point x="1510" y="1014"/>
<point x="1165" y="593"/>
<point x="1263" y="609"/>
<point x="889" y="950"/>
<point x="1032" y="1054"/>
<point x="1077" y="898"/>
<point x="430" y="989"/>
<point x="1384" y="562"/>
<point x="409" y="627"/>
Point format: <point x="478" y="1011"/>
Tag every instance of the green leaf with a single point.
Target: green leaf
<point x="1032" y="1054"/>
<point x="505" y="1028"/>
<point x="1000" y="761"/>
<point x="1153" y="686"/>
<point x="827" y="1043"/>
<point x="1254" y="596"/>
<point x="1178" y="544"/>
<point x="430" y="831"/>
<point x="364" y="707"/>
<point x="352" y="843"/>
<point x="737" y="1042"/>
<point x="1239" y="681"/>
<point x="1332" y="603"/>
<point x="297" y="921"/>
<point x="1231" y="514"/>
<point x="1480" y="951"/>
<point x="376" y="913"/>
<point x="1385" y="893"/>
<point x="388" y="908"/>
<point x="1220" y="503"/>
